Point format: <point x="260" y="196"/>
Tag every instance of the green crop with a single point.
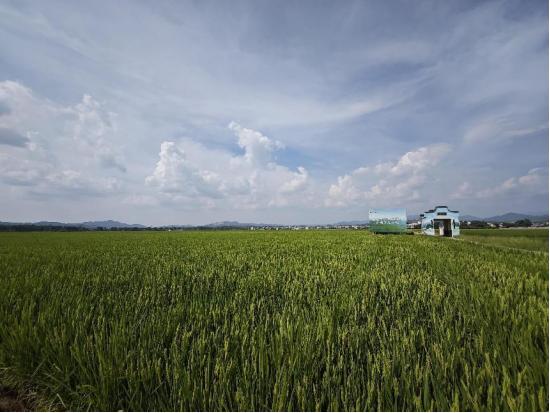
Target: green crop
<point x="528" y="239"/>
<point x="297" y="320"/>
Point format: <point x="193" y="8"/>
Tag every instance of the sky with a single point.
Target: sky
<point x="176" y="112"/>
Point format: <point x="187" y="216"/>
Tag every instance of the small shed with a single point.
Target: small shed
<point x="441" y="222"/>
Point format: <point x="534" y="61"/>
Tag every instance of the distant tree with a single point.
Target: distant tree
<point x="523" y="223"/>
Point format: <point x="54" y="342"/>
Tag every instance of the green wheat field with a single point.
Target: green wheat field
<point x="275" y="320"/>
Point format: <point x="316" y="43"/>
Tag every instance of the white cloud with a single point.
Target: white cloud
<point x="389" y="181"/>
<point x="188" y="172"/>
<point x="298" y="182"/>
<point x="54" y="147"/>
<point x="44" y="178"/>
<point x="24" y="110"/>
<point x="258" y="149"/>
<point x="463" y="191"/>
<point x="19" y="173"/>
<point x="534" y="182"/>
<point x="174" y="174"/>
<point x="92" y="128"/>
<point x="85" y="130"/>
<point x="417" y="161"/>
<point x="74" y="182"/>
<point x="497" y="128"/>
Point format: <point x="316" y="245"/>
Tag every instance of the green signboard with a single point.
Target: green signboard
<point x="386" y="221"/>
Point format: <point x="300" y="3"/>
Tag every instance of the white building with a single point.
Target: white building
<point x="440" y="221"/>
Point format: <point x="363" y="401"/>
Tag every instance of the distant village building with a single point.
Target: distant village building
<point x="440" y="221"/>
<point x="414" y="225"/>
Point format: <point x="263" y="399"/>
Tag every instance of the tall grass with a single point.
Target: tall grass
<point x="272" y="321"/>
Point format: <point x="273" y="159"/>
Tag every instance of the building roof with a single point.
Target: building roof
<point x="429" y="211"/>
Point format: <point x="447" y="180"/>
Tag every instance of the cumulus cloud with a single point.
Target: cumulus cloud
<point x="93" y="126"/>
<point x="298" y="182"/>
<point x="174" y="174"/>
<point x="191" y="173"/>
<point x="390" y="181"/>
<point x="67" y="146"/>
<point x="24" y="110"/>
<point x="258" y="149"/>
<point x="86" y="128"/>
<point x="534" y="182"/>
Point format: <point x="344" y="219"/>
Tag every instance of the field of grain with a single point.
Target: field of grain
<point x="533" y="239"/>
<point x="316" y="320"/>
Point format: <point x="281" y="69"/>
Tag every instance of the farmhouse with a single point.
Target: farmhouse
<point x="440" y="221"/>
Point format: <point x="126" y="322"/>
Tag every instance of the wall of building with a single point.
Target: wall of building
<point x="436" y="213"/>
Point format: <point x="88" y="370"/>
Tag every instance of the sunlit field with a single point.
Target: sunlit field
<point x="266" y="320"/>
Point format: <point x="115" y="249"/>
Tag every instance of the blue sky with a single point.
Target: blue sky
<point x="282" y="112"/>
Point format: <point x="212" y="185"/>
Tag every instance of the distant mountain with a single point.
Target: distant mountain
<point x="225" y="224"/>
<point x="514" y="216"/>
<point x="109" y="224"/>
<point x="45" y="224"/>
<point x="87" y="224"/>
<point x="470" y="218"/>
